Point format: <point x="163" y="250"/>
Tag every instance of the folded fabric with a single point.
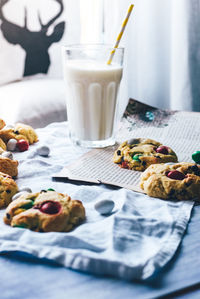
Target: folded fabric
<point x="137" y="239"/>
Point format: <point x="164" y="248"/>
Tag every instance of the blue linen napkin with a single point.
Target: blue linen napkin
<point x="138" y="238"/>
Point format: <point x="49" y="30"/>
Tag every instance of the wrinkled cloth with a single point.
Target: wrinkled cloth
<point x="137" y="239"/>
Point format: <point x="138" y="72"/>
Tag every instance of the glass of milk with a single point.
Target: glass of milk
<point x="92" y="88"/>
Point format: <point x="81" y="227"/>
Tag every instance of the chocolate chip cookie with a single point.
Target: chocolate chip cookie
<point x="18" y="132"/>
<point x="178" y="181"/>
<point x="139" y="153"/>
<point x="8" y="188"/>
<point x="45" y="211"/>
<point x="8" y="165"/>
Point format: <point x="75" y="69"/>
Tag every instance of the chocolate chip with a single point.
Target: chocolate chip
<point x="118" y="152"/>
<point x="8" y="191"/>
<point x="195" y="169"/>
<point x="144" y="163"/>
<point x="187" y="184"/>
<point x="171" y="193"/>
<point x="158" y="157"/>
<point x="43" y="191"/>
<point x="182" y="192"/>
<point x="8" y="216"/>
<point x="16" y="132"/>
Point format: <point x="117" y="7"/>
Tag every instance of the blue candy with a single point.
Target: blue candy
<point x="149" y="115"/>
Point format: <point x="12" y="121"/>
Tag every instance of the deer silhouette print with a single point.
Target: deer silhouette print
<point x="35" y="43"/>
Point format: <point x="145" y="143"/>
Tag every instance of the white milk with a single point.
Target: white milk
<point x="91" y="98"/>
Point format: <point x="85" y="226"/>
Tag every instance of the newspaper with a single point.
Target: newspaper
<point x="179" y="130"/>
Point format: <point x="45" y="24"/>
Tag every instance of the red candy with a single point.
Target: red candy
<point x="124" y="165"/>
<point x="50" y="207"/>
<point x="162" y="150"/>
<point x="22" y="145"/>
<point x="176" y="175"/>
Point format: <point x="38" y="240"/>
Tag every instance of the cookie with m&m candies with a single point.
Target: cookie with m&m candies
<point x="180" y="181"/>
<point x="45" y="211"/>
<point x="140" y="153"/>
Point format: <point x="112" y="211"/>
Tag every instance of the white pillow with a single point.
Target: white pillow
<point x="31" y="33"/>
<point x="36" y="102"/>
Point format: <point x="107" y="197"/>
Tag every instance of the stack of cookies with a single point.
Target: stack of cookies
<point x="17" y="137"/>
<point x="11" y="139"/>
<point x="163" y="176"/>
<point x="44" y="211"/>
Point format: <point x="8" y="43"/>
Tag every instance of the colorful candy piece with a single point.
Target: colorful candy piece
<point x="50" y="207"/>
<point x="124" y="165"/>
<point x="18" y="194"/>
<point x="136" y="157"/>
<point x="196" y="157"/>
<point x="43" y="151"/>
<point x="176" y="175"/>
<point x="11" y="145"/>
<point x="149" y="116"/>
<point x="28" y="205"/>
<point x="22" y="225"/>
<point x="162" y="150"/>
<point x="22" y="145"/>
<point x="25" y="189"/>
<point x="50" y="189"/>
<point x="104" y="207"/>
<point x="7" y="155"/>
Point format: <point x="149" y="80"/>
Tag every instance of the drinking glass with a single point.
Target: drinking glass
<point x="92" y="89"/>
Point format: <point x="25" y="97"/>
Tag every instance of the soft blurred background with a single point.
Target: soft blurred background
<point x="162" y="52"/>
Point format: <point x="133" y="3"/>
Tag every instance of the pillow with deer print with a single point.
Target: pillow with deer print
<point x="31" y="32"/>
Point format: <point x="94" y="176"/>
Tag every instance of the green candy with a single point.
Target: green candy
<point x="196" y="157"/>
<point x="136" y="157"/>
<point x="50" y="189"/>
<point x="28" y="205"/>
<point x="23" y="225"/>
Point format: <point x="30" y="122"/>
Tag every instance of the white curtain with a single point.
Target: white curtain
<point x="162" y="51"/>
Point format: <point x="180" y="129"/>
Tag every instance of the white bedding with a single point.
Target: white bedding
<point x="136" y="240"/>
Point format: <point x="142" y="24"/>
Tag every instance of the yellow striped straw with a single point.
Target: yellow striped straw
<point x="120" y="34"/>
